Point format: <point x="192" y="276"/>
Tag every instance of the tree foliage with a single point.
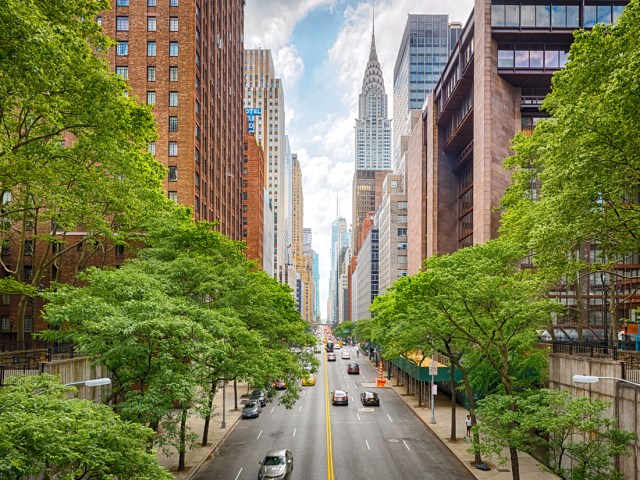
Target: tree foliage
<point x="45" y="434"/>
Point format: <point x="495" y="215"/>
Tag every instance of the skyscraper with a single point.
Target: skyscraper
<point x="185" y="59"/>
<point x="372" y="137"/>
<point x="339" y="241"/>
<point x="264" y="93"/>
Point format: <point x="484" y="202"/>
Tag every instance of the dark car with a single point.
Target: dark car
<point x="280" y="385"/>
<point x="259" y="396"/>
<point x="339" y="397"/>
<point x="370" y="399"/>
<point x="353" y="369"/>
<point x="251" y="409"/>
<point x="277" y="464"/>
<point x="331" y="357"/>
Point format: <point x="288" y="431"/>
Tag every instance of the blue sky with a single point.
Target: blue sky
<point x="320" y="48"/>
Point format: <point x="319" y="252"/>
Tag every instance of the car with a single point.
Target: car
<point x="331" y="357"/>
<point x="353" y="369"/>
<point x="337" y="345"/>
<point x="345" y="355"/>
<point x="370" y="399"/>
<point x="277" y="464"/>
<point x="309" y="380"/>
<point x="339" y="397"/>
<point x="279" y="385"/>
<point x="251" y="409"/>
<point x="259" y="396"/>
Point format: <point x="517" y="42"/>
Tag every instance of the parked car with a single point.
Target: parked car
<point x="331" y="357"/>
<point x="370" y="399"/>
<point x="339" y="397"/>
<point x="251" y="409"/>
<point x="277" y="464"/>
<point x="259" y="396"/>
<point x="309" y="380"/>
<point x="279" y="385"/>
<point x="345" y="355"/>
<point x="353" y="369"/>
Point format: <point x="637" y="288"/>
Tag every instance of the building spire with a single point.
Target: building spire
<point x="373" y="55"/>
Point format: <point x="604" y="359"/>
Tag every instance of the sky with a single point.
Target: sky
<point x="320" y="50"/>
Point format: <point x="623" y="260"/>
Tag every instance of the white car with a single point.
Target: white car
<point x="345" y="355"/>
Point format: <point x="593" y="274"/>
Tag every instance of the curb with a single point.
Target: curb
<point x="212" y="450"/>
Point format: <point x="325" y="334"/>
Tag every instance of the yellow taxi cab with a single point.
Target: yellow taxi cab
<point x="309" y="380"/>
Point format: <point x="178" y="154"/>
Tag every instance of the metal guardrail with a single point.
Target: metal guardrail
<point x="32" y="358"/>
<point x="6" y="372"/>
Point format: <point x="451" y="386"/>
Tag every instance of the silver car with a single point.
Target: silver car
<point x="277" y="465"/>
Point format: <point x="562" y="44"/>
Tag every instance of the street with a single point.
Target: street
<point x="363" y="442"/>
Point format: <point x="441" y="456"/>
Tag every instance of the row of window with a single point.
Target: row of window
<point x="122" y="49"/>
<point x="549" y="15"/>
<point x="28" y="251"/>
<point x="531" y="57"/>
<point x="173" y="102"/>
<point x="5" y="323"/>
<point x="122" y="24"/>
<point x="150" y="3"/>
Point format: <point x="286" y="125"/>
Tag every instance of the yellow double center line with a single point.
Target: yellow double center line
<point x="328" y="420"/>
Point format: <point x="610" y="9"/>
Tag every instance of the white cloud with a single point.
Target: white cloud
<point x="289" y="65"/>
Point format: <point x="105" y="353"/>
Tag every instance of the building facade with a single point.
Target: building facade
<point x="185" y="59"/>
<point x="364" y="281"/>
<point x="264" y="93"/>
<point x="253" y="205"/>
<point x="339" y="241"/>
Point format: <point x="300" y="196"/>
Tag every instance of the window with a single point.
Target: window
<point x="122" y="3"/>
<point x="151" y="49"/>
<point x="99" y="20"/>
<point x="173" y="3"/>
<point x="5" y="299"/>
<point x="151" y="74"/>
<point x="28" y="324"/>
<point x="152" y="148"/>
<point x="173" y="123"/>
<point x="151" y="3"/>
<point x="28" y="272"/>
<point x="123" y="72"/>
<point x="173" y="149"/>
<point x="151" y="24"/>
<point x="122" y="49"/>
<point x="173" y="74"/>
<point x="197" y="205"/>
<point x="245" y="208"/>
<point x="173" y="49"/>
<point x="173" y="196"/>
<point x="54" y="273"/>
<point x="173" y="174"/>
<point x="28" y="247"/>
<point x="197" y="131"/>
<point x="197" y="180"/>
<point x="122" y="24"/>
<point x="173" y="99"/>
<point x="402" y="205"/>
<point x="119" y="250"/>
<point x="151" y="98"/>
<point x="198" y="108"/>
<point x="5" y="250"/>
<point x="5" y="324"/>
<point x="402" y="246"/>
<point x="173" y="24"/>
<point x="402" y="232"/>
<point x="402" y="219"/>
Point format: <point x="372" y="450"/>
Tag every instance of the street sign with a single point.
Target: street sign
<point x="433" y="368"/>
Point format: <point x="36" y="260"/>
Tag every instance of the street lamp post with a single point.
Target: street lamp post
<point x="595" y="379"/>
<point x="96" y="382"/>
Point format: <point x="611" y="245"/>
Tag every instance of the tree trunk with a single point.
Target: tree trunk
<point x="477" y="458"/>
<point x="22" y="306"/>
<point x="183" y="442"/>
<point x="515" y="463"/>
<point x="207" y="419"/>
<point x="452" y="382"/>
<point x="235" y="395"/>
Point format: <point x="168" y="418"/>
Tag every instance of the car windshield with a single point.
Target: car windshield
<point x="249" y="405"/>
<point x="274" y="461"/>
<point x="339" y="393"/>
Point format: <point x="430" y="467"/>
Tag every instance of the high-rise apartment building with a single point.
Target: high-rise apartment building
<point x="264" y="93"/>
<point x="185" y="59"/>
<point x="372" y="138"/>
<point x="253" y="204"/>
<point x="364" y="278"/>
<point x="297" y="209"/>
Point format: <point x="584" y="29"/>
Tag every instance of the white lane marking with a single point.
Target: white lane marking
<point x="295" y="429"/>
<point x="238" y="475"/>
<point x="259" y="435"/>
<point x="405" y="444"/>
<point x="358" y="415"/>
<point x="300" y="409"/>
<point x="272" y="409"/>
<point x="389" y="418"/>
<point x="354" y="385"/>
<point x="368" y="447"/>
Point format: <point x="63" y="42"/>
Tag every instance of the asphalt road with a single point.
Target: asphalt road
<point x="364" y="443"/>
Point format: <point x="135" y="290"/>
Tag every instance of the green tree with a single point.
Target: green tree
<point x="580" y="438"/>
<point x="72" y="148"/>
<point x="45" y="434"/>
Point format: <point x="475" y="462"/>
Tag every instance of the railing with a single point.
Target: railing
<point x="32" y="358"/>
<point x="6" y="372"/>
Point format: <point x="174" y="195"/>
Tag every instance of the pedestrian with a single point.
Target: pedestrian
<point x="468" y="422"/>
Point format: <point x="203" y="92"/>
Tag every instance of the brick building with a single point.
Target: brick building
<point x="185" y="59"/>
<point x="253" y="199"/>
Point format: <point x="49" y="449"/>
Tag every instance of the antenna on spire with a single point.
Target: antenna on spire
<point x="373" y="6"/>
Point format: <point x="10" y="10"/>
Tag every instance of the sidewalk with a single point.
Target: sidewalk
<point x="198" y="455"/>
<point x="530" y="468"/>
